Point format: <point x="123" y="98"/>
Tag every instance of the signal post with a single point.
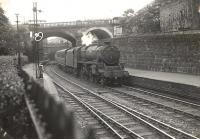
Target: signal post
<point x="37" y="37"/>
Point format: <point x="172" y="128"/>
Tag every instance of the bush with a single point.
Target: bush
<point x="14" y="115"/>
<point x="146" y="20"/>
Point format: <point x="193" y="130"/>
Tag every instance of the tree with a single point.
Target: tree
<point x="146" y="20"/>
<point x="7" y="38"/>
<point x="4" y="27"/>
<point x="149" y="18"/>
<point x="125" y="21"/>
<point x="129" y="13"/>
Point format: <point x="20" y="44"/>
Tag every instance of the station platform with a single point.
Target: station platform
<point x="166" y="76"/>
<point x="46" y="81"/>
<point x="183" y="85"/>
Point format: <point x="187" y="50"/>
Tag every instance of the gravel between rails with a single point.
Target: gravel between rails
<point x="165" y="95"/>
<point x="176" y="119"/>
<point x="190" y="126"/>
<point x="85" y="118"/>
<point x="132" y="125"/>
<point x="190" y="108"/>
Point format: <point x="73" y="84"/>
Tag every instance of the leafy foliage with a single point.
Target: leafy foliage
<point x="14" y="116"/>
<point x="7" y="37"/>
<point x="146" y="20"/>
<point x="129" y="12"/>
<point x="4" y="21"/>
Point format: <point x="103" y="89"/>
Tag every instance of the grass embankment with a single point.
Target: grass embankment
<point x="14" y="116"/>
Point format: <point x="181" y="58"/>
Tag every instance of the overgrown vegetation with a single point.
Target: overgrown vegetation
<point x="147" y="20"/>
<point x="14" y="115"/>
<point x="7" y="35"/>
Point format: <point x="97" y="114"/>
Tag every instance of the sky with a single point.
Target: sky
<point x="69" y="10"/>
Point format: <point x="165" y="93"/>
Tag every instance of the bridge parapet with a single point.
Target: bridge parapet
<point x="73" y="31"/>
<point x="76" y="23"/>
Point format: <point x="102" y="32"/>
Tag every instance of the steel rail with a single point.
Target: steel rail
<point x="145" y="117"/>
<point x="167" y="126"/>
<point x="155" y="103"/>
<point x="133" y="134"/>
<point x="123" y="128"/>
<point x="88" y="108"/>
<point x="118" y="122"/>
<point x="162" y="96"/>
<point x="136" y="117"/>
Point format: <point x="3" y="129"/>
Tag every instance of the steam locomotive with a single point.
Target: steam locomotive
<point x="97" y="62"/>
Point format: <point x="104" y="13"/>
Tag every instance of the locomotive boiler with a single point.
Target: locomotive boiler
<point x="107" y="54"/>
<point x="96" y="62"/>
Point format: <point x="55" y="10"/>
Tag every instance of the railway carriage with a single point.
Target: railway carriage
<point x="96" y="62"/>
<point x="60" y="57"/>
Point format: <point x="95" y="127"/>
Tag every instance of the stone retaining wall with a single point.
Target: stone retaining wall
<point x="161" y="52"/>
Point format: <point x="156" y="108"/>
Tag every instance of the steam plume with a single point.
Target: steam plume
<point x="88" y="39"/>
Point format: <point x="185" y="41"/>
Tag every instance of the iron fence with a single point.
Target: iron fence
<point x="52" y="120"/>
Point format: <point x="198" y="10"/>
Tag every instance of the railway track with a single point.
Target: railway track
<point x="163" y="96"/>
<point x="168" y="109"/>
<point x="126" y="124"/>
<point x="117" y="114"/>
<point x="188" y="109"/>
<point x="182" y="105"/>
<point x="82" y="111"/>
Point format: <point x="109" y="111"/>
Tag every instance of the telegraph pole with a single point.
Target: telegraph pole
<point x="37" y="37"/>
<point x="34" y="42"/>
<point x="36" y="54"/>
<point x="37" y="46"/>
<point x="18" y="46"/>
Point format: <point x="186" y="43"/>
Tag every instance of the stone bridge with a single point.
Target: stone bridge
<point x="73" y="31"/>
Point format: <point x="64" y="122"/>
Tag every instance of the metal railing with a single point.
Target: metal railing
<point x="76" y="23"/>
<point x="51" y="118"/>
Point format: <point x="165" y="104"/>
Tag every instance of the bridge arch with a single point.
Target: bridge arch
<point x="61" y="34"/>
<point x="100" y="32"/>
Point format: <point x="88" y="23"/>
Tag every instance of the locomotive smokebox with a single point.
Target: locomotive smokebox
<point x="105" y="53"/>
<point x="110" y="55"/>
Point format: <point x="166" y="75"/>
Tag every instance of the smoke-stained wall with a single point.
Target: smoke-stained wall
<point x="180" y="15"/>
<point x="168" y="53"/>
